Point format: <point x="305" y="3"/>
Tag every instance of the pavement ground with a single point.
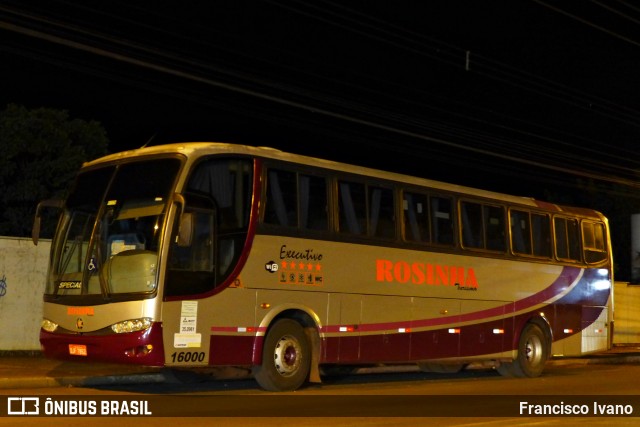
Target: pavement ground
<point x="32" y="370"/>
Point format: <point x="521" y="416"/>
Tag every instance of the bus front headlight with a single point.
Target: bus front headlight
<point x="48" y="325"/>
<point x="133" y="325"/>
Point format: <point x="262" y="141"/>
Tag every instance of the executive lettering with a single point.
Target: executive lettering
<point x="419" y="273"/>
<point x="305" y="254"/>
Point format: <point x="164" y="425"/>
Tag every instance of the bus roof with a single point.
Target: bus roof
<point x="197" y="149"/>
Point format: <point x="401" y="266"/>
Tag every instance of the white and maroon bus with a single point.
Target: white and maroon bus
<point x="210" y="254"/>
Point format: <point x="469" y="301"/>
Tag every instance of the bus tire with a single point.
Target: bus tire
<point x="532" y="354"/>
<point x="286" y="357"/>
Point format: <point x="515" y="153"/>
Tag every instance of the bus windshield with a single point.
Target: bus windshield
<point x="109" y="239"/>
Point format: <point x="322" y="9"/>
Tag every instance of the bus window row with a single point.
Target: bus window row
<point x="302" y="201"/>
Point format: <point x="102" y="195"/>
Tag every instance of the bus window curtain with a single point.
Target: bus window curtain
<point x="349" y="209"/>
<point x="471" y="237"/>
<point x="410" y="208"/>
<point x="214" y="179"/>
<point x="277" y="199"/>
<point x="435" y="218"/>
<point x="518" y="226"/>
<point x="304" y="200"/>
<point x="375" y="211"/>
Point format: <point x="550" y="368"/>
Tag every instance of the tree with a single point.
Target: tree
<point x="42" y="150"/>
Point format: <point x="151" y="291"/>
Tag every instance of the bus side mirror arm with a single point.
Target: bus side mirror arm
<point x="51" y="203"/>
<point x="185" y="221"/>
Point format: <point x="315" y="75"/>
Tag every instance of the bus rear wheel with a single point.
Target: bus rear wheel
<point x="532" y="354"/>
<point x="286" y="357"/>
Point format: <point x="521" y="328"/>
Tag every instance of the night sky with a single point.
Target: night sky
<point x="521" y="96"/>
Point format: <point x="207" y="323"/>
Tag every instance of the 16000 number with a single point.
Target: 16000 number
<point x="187" y="356"/>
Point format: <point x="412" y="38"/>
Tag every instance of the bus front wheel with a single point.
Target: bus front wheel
<point x="532" y="354"/>
<point x="286" y="357"/>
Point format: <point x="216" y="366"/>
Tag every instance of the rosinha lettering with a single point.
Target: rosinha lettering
<point x="418" y="273"/>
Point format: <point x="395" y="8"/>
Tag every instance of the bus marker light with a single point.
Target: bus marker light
<point x="265" y="305"/>
<point x="346" y="328"/>
<point x="246" y="329"/>
<point x="498" y="331"/>
<point x="454" y="330"/>
<point x="568" y="331"/>
<point x="139" y="351"/>
<point x="404" y="330"/>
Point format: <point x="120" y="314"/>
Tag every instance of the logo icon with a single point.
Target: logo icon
<point x="23" y="406"/>
<point x="271" y="266"/>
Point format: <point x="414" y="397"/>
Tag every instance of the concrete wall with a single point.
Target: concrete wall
<point x="23" y="268"/>
<point x="626" y="313"/>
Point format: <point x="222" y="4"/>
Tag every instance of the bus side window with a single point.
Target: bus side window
<point x="353" y="207"/>
<point x="227" y="181"/>
<point x="313" y="202"/>
<point x="520" y="232"/>
<point x="483" y="226"/>
<point x="381" y="213"/>
<point x="203" y="243"/>
<point x="594" y="242"/>
<point x="567" y="239"/>
<point x="494" y="227"/>
<point x="441" y="220"/>
<point x="191" y="267"/>
<point x="541" y="231"/>
<point x="416" y="225"/>
<point x="472" y="236"/>
<point x="281" y="204"/>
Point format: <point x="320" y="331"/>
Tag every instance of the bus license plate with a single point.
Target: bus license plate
<point x="77" y="350"/>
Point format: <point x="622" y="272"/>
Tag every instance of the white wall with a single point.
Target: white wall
<point x="626" y="306"/>
<point x="23" y="269"/>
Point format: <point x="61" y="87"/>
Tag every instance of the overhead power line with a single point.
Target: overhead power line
<point x="330" y="105"/>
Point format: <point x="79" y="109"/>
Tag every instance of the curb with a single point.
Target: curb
<point x="81" y="381"/>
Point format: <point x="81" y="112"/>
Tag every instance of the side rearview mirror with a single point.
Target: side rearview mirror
<point x="185" y="221"/>
<point x="51" y="203"/>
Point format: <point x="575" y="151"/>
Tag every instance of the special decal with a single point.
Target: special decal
<point x="70" y="284"/>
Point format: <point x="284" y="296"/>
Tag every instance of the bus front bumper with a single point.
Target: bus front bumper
<point x="140" y="348"/>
